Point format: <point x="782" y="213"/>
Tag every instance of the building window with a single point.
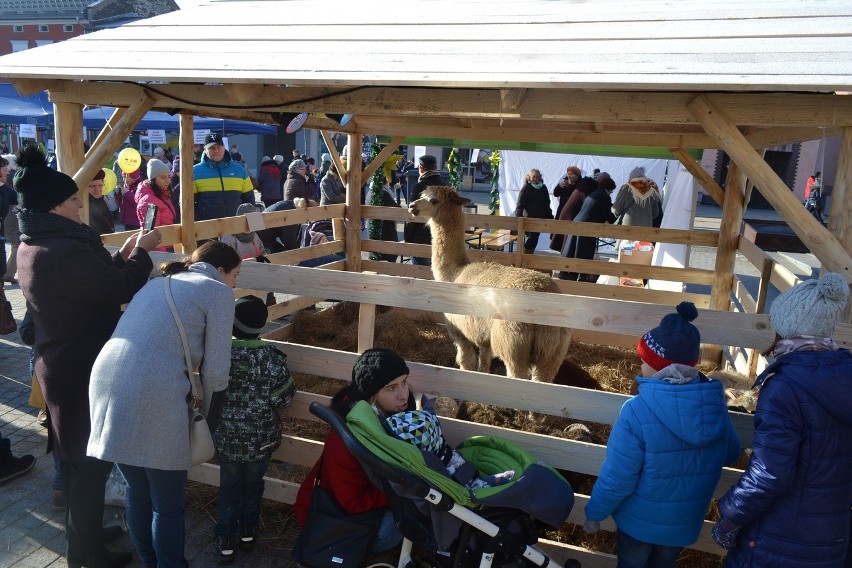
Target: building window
<point x="18" y="29"/>
<point x="44" y="28"/>
<point x="40" y="42"/>
<point x="69" y="28"/>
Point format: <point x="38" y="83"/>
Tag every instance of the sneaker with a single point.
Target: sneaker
<point x="42" y="418"/>
<point x="247" y="540"/>
<point x="59" y="503"/>
<point x="225" y="548"/>
<point x="15" y="467"/>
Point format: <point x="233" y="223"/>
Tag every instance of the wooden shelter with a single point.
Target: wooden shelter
<point x="736" y="75"/>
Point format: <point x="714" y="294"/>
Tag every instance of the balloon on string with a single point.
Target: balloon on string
<point x="129" y="160"/>
<point x="110" y="180"/>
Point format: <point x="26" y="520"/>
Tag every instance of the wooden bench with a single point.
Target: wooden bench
<point x="500" y="241"/>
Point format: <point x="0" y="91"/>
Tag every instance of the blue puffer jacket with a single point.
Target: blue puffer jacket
<point x="220" y="187"/>
<point x="795" y="496"/>
<point x="664" y="458"/>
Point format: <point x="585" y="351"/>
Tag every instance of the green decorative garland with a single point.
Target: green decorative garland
<point x="494" y="194"/>
<point x="453" y="169"/>
<point x="374" y="226"/>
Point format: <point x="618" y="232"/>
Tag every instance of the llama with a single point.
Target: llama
<point x="528" y="350"/>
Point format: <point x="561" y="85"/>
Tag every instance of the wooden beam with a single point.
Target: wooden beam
<point x="840" y="216"/>
<point x="335" y="155"/>
<point x="113" y="141"/>
<point x="781" y="135"/>
<point x="243" y="93"/>
<point x="68" y="121"/>
<point x="383" y="155"/>
<point x="729" y="237"/>
<point x="512" y="99"/>
<point x="704" y="179"/>
<point x="353" y="204"/>
<point x="816" y="237"/>
<point x="110" y="124"/>
<point x="187" y="185"/>
<point x="758" y="109"/>
<point x="366" y="326"/>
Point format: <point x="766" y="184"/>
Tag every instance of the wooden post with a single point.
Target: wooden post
<point x="353" y="204"/>
<point x="335" y="156"/>
<point x="68" y="123"/>
<point x="112" y="141"/>
<point x="379" y="160"/>
<point x="187" y="187"/>
<point x="366" y="326"/>
<point x="816" y="237"/>
<point x="729" y="237"/>
<point x="110" y="124"/>
<point x="840" y="215"/>
<point x="700" y="174"/>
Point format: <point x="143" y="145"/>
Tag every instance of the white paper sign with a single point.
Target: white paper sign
<point x="198" y="135"/>
<point x="157" y="136"/>
<point x="26" y="130"/>
<point x="225" y="143"/>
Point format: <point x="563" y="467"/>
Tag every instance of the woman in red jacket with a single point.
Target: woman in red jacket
<point x="379" y="376"/>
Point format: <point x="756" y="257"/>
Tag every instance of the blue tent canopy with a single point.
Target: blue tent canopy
<point x="37" y="109"/>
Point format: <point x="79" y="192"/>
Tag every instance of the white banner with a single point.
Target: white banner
<point x="157" y="136"/>
<point x="27" y="131"/>
<point x="198" y="135"/>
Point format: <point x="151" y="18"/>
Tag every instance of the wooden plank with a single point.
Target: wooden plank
<point x="380" y="158"/>
<point x="110" y="123"/>
<point x="631" y="293"/>
<point x="729" y="236"/>
<point x="816" y="237"/>
<point x="840" y="216"/>
<point x="704" y="179"/>
<point x="690" y="275"/>
<point x="628" y="318"/>
<point x="366" y="326"/>
<point x="291" y="306"/>
<point x="353" y="204"/>
<point x="335" y="156"/>
<point x="186" y="143"/>
<point x="742" y="295"/>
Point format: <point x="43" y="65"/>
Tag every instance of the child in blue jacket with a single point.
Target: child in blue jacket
<point x="666" y="450"/>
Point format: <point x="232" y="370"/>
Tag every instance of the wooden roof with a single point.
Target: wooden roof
<point x="606" y="72"/>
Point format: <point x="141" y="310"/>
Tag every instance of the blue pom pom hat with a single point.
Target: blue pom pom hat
<point x="675" y="340"/>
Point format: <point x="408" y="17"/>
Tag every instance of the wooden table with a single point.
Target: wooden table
<point x="496" y="240"/>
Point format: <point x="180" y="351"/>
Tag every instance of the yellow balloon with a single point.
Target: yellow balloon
<point x="110" y="180"/>
<point x="129" y="160"/>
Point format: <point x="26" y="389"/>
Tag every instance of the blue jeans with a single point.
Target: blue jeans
<point x="240" y="494"/>
<point x="155" y="514"/>
<point x="388" y="535"/>
<point x="634" y="553"/>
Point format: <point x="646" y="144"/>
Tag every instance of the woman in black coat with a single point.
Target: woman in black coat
<point x="534" y="202"/>
<point x="597" y="208"/>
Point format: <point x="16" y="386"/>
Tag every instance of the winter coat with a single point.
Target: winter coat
<point x="220" y="187"/>
<point x="10" y="219"/>
<point x="139" y="385"/>
<point x="166" y="214"/>
<point x="419" y="232"/>
<point x="297" y="186"/>
<point x="332" y="190"/>
<point x="793" y="500"/>
<point x="247" y="245"/>
<point x="269" y="181"/>
<point x="74" y="291"/>
<point x="534" y="203"/>
<point x="388" y="227"/>
<point x="288" y="234"/>
<point x="100" y="217"/>
<point x="573" y="204"/>
<point x="639" y="210"/>
<point x="127" y="204"/>
<point x="595" y="209"/>
<point x="563" y="193"/>
<point x="343" y="475"/>
<point x="260" y="385"/>
<point x="664" y="458"/>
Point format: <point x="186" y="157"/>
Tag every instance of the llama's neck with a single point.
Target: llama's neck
<point x="448" y="250"/>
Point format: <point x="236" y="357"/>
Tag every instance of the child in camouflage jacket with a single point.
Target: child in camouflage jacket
<point x="250" y="427"/>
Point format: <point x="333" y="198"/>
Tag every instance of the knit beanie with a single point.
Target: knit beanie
<point x="39" y="187"/>
<point x="156" y="167"/>
<point x="375" y="368"/>
<point x="296" y="164"/>
<point x="250" y="315"/>
<point x="605" y="181"/>
<point x="811" y="307"/>
<point x="637" y="172"/>
<point x="575" y="170"/>
<point x="675" y="340"/>
<point x="244" y="208"/>
<point x="101" y="174"/>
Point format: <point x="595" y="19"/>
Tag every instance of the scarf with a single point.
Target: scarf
<point x="36" y="225"/>
<point x="804" y="343"/>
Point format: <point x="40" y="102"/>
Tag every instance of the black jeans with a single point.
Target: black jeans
<point x="83" y="483"/>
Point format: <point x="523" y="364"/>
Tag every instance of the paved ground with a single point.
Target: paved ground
<point x="31" y="533"/>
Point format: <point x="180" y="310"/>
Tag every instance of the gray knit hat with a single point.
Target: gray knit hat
<point x="157" y="167"/>
<point x="811" y="307"/>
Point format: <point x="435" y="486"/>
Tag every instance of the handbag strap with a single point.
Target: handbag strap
<point x="193" y="378"/>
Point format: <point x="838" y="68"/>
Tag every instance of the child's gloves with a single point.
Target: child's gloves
<point x="725" y="533"/>
<point x="428" y="404"/>
<point x="590" y="526"/>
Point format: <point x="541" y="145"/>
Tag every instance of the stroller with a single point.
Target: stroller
<point x="454" y="526"/>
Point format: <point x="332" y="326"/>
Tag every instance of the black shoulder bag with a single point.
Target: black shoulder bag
<point x="333" y="538"/>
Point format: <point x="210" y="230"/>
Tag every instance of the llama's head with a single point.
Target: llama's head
<point x="438" y="201"/>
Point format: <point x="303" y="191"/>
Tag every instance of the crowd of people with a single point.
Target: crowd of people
<point x="116" y="387"/>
